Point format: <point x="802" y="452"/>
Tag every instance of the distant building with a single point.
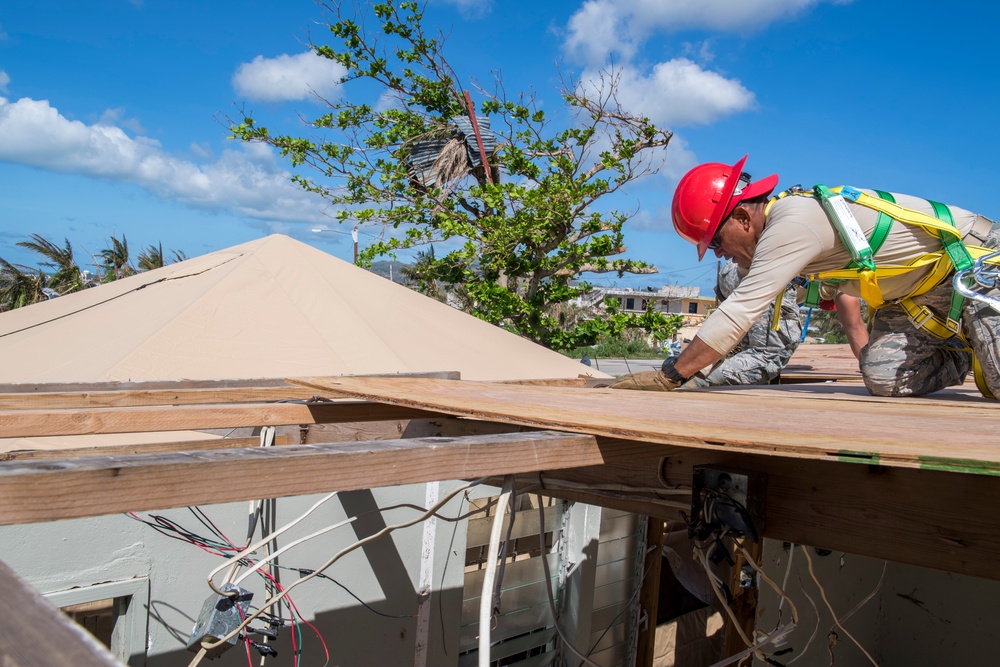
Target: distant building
<point x="672" y="299"/>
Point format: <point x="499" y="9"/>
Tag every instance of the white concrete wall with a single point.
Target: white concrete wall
<point x="60" y="555"/>
<point x="918" y="617"/>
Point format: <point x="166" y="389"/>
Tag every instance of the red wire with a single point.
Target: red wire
<point x="291" y="606"/>
<point x="292" y="609"/>
<point x="228" y="541"/>
<point x="246" y="635"/>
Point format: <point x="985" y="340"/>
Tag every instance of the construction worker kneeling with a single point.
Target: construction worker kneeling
<point x="914" y="262"/>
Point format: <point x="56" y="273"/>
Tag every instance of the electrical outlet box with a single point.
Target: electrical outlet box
<point x="220" y="615"/>
<point x="728" y="498"/>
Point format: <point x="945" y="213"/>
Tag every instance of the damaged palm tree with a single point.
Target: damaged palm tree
<point x="446" y="156"/>
<point x="539" y="208"/>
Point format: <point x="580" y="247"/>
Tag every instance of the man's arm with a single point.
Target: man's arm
<point x="849" y="316"/>
<point x="695" y="356"/>
<point x="675" y="370"/>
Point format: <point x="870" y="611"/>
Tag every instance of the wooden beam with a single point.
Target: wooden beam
<point x="649" y="594"/>
<point x="123" y="399"/>
<point x="178" y="385"/>
<point x="941" y="520"/>
<point x="36" y="634"/>
<point x="182" y="392"/>
<point x="744" y="604"/>
<point x="33" y="491"/>
<point x="957" y="436"/>
<point x="30" y="423"/>
<point x="144" y="448"/>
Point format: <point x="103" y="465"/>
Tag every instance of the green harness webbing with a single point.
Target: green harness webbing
<point x="879" y="233"/>
<point x="942" y="225"/>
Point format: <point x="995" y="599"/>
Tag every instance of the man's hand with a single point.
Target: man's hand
<point x="646" y="380"/>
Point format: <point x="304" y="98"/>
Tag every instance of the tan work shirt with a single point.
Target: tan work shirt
<point x="798" y="239"/>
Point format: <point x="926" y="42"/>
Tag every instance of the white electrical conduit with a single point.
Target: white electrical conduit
<point x="337" y="556"/>
<point x="257" y="545"/>
<point x="822" y="594"/>
<point x="778" y="634"/>
<point x="486" y="597"/>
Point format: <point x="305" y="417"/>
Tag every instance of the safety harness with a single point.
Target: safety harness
<point x="953" y="256"/>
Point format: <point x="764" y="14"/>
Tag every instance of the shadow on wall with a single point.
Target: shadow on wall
<point x="354" y="635"/>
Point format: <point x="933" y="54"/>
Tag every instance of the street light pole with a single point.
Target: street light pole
<point x="354" y="236"/>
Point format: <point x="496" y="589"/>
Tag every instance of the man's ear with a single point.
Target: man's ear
<point x="741" y="216"/>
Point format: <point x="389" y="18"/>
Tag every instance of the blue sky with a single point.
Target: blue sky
<point x="112" y="112"/>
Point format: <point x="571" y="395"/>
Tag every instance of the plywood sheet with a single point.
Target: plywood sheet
<point x="959" y="436"/>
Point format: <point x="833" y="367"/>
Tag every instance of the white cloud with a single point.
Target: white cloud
<point x="595" y="32"/>
<point x="604" y="28"/>
<point x="675" y="93"/>
<point x="471" y="8"/>
<point x="289" y="77"/>
<point x="117" y="117"/>
<point x="679" y="160"/>
<point x="4" y="80"/>
<point x="202" y="150"/>
<point x="247" y="179"/>
<point x="700" y="52"/>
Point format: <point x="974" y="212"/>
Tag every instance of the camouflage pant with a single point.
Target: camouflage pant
<point x="762" y="354"/>
<point x="901" y="360"/>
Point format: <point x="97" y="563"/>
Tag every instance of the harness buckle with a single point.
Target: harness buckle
<point x="921" y="317"/>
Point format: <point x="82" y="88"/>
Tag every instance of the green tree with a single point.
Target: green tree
<point x="66" y="275"/>
<point x="115" y="261"/>
<point x="824" y="326"/>
<point x="422" y="275"/>
<point x="520" y="233"/>
<point x="20" y="285"/>
<point x="151" y="258"/>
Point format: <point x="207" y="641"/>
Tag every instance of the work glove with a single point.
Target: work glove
<point x="647" y="381"/>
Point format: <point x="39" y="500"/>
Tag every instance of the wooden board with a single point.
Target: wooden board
<point x="36" y="634"/>
<point x="48" y="490"/>
<point x="965" y="394"/>
<point x="959" y="436"/>
<point x="143" y="448"/>
<point x="86" y="421"/>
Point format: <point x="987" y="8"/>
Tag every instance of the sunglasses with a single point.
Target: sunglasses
<point x="744" y="180"/>
<point x="716" y="242"/>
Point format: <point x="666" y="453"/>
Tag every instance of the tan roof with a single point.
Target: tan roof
<point x="273" y="307"/>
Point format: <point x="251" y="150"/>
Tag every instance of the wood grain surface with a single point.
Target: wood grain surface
<point x="959" y="436"/>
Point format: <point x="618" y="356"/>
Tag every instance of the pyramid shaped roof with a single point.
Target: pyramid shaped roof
<point x="274" y="307"/>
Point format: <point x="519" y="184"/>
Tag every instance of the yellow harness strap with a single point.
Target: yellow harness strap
<point x="941" y="264"/>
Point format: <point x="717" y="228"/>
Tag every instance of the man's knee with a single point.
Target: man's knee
<point x="889" y="369"/>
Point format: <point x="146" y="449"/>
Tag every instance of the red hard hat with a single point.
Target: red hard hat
<point x="706" y="196"/>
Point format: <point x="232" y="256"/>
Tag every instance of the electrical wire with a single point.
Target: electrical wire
<point x="219" y="547"/>
<point x="327" y="529"/>
<point x="784" y="581"/>
<point x="623" y="492"/>
<point x="836" y="621"/>
<point x="269" y="538"/>
<point x="548" y="586"/>
<point x="360" y="543"/>
<point x="770" y="582"/>
<point x="699" y="552"/>
<point x="776" y="635"/>
<point x="490" y="574"/>
<point x="628" y="603"/>
<point x="878" y="587"/>
<point x="812" y="636"/>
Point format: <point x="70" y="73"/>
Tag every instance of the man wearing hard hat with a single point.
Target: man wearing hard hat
<point x="928" y="271"/>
